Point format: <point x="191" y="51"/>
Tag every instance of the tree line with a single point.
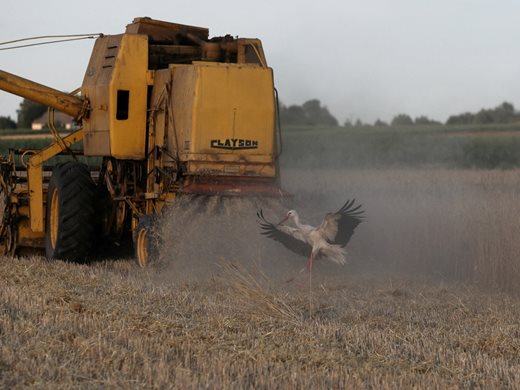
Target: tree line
<point x="313" y="113"/>
<point x="504" y="113"/>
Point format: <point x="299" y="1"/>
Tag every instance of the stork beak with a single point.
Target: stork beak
<point x="282" y="221"/>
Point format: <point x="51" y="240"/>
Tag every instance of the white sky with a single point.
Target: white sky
<point x="363" y="59"/>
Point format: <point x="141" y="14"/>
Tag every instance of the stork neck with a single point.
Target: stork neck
<point x="296" y="220"/>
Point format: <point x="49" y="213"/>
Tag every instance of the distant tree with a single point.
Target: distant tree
<point x="380" y="123"/>
<point x="312" y="109"/>
<point x="292" y="115"/>
<point x="424" y="120"/>
<point x="316" y="114"/>
<point x="461" y="119"/>
<point x="402" y="120"/>
<point x="358" y="123"/>
<point x="28" y="112"/>
<point x="7" y="123"/>
<point x="503" y="113"/>
<point x="348" y="124"/>
<point x="310" y="113"/>
<point x="484" y="117"/>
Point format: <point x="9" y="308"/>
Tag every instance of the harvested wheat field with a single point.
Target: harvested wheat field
<point x="66" y="326"/>
<point x="429" y="298"/>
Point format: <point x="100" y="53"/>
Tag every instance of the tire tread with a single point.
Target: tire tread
<point x="76" y="227"/>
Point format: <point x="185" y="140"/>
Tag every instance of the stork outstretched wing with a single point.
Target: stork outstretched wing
<point x="339" y="227"/>
<point x="289" y="237"/>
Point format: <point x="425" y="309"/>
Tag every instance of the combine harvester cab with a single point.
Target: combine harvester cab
<point x="167" y="111"/>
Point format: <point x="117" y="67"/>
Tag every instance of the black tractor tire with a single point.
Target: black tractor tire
<point x="71" y="217"/>
<point x="147" y="241"/>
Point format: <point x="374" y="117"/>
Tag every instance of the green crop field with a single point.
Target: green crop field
<point x="496" y="146"/>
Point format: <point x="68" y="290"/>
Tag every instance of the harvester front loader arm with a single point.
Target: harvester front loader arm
<point x="72" y="105"/>
<point x="61" y="101"/>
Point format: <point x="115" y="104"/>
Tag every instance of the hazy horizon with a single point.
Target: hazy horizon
<point x="362" y="59"/>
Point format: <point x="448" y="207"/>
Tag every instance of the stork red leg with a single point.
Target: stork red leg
<point x="309" y="263"/>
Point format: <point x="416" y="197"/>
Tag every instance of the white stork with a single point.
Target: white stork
<point x="328" y="240"/>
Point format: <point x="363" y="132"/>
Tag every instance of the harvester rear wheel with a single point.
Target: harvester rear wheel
<point x="146" y="241"/>
<point x="70" y="218"/>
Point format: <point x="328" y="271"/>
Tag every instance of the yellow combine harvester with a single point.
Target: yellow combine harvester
<point x="169" y="111"/>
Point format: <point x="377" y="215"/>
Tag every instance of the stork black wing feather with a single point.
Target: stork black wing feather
<point x="349" y="218"/>
<point x="270" y="230"/>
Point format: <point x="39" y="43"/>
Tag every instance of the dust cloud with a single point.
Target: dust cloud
<point x="200" y="234"/>
<point x="438" y="223"/>
<point x="447" y="224"/>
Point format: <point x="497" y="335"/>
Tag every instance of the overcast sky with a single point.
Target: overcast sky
<point x="363" y="59"/>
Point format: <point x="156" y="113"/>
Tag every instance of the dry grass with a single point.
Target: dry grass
<point x="111" y="326"/>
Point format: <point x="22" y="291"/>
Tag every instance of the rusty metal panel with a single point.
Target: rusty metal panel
<point x="130" y="76"/>
<point x="164" y="32"/>
<point x="222" y="185"/>
<point x="184" y="83"/>
<point x="27" y="237"/>
<point x="234" y="111"/>
<point x="95" y="88"/>
<point x="224" y="113"/>
<point x="116" y="84"/>
<point x="97" y="143"/>
<point x="230" y="169"/>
